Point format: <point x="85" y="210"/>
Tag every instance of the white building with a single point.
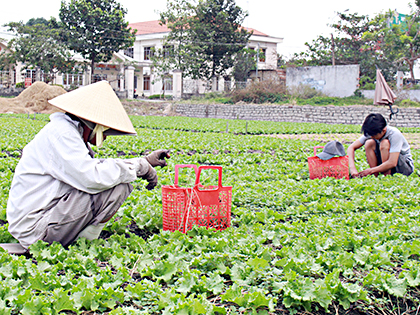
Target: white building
<point x="151" y="35"/>
<point x="130" y="71"/>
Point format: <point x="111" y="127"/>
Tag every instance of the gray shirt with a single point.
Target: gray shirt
<point x="397" y="142"/>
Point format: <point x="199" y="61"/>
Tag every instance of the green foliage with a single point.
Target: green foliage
<point x="159" y="96"/>
<point x="245" y="61"/>
<point x="95" y="28"/>
<point x="352" y="42"/>
<point x="20" y="85"/>
<point x="39" y="44"/>
<point x="294" y="245"/>
<point x="409" y="103"/>
<point x="205" y="35"/>
<point x="394" y="43"/>
<point x="269" y="91"/>
<point x="367" y="83"/>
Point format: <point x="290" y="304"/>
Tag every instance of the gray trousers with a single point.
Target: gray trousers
<point x="74" y="211"/>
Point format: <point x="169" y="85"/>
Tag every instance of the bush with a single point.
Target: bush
<point x="409" y="103"/>
<point x="304" y="91"/>
<point x="369" y="86"/>
<point x="270" y="91"/>
<point x="20" y="85"/>
<point x="160" y="97"/>
<point x="319" y="100"/>
<point x="367" y="83"/>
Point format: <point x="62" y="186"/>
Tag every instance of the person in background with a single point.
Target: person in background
<point x="387" y="151"/>
<point x="60" y="191"/>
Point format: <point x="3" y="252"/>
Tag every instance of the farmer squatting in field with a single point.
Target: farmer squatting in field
<point x="60" y="192"/>
<point x="387" y="151"/>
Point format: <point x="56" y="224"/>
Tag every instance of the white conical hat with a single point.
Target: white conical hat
<point x="97" y="103"/>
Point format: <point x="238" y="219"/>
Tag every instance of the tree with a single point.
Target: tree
<point x="175" y="53"/>
<point x="399" y="43"/>
<point x="245" y="61"/>
<point x="217" y="35"/>
<point x="38" y="44"/>
<point x="96" y="28"/>
<point x="205" y="37"/>
<point x="345" y="46"/>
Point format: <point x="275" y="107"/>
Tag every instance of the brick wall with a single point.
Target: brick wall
<point x="407" y="117"/>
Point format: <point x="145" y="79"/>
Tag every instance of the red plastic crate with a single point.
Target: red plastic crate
<point x="184" y="207"/>
<point x="337" y="167"/>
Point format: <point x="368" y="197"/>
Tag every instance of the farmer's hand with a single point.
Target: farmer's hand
<point x="144" y="170"/>
<point x="354" y="173"/>
<point x="157" y="158"/>
<point x="366" y="172"/>
<point x="151" y="177"/>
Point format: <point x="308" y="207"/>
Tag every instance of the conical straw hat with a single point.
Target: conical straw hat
<point x="98" y="103"/>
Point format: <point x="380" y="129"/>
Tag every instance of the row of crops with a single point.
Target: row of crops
<point x="295" y="245"/>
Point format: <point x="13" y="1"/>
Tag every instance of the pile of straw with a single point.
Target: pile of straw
<point x="34" y="99"/>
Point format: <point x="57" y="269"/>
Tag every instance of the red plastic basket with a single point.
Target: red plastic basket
<point x="337" y="167"/>
<point x="183" y="207"/>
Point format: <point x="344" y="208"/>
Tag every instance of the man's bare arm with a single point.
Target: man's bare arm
<point x="350" y="152"/>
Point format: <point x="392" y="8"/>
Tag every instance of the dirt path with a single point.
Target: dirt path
<point x="347" y="138"/>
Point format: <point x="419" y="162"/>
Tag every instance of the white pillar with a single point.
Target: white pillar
<point x="87" y="77"/>
<point x="221" y="85"/>
<point x="129" y="77"/>
<point x="214" y="84"/>
<point x="177" y="88"/>
<point x="58" y="79"/>
<point x="140" y="82"/>
<point x="38" y="74"/>
<point x="19" y="76"/>
<point x="121" y="78"/>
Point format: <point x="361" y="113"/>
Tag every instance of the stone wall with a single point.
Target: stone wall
<point x="406" y="117"/>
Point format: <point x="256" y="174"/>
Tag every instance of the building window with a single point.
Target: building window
<point x="73" y="79"/>
<point x="129" y="52"/>
<point x="98" y="77"/>
<point x="168" y="51"/>
<point x="30" y="73"/>
<point x="148" y="53"/>
<point x="146" y="83"/>
<point x="168" y="83"/>
<point x="261" y="55"/>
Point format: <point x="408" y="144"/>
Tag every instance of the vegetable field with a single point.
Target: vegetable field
<point x="295" y="246"/>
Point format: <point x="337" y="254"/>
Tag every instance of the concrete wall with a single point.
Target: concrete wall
<point x="407" y="117"/>
<point x="413" y="95"/>
<point x="340" y="81"/>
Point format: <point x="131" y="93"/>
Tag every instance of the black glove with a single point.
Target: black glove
<point x="151" y="177"/>
<point x="143" y="170"/>
<point x="157" y="158"/>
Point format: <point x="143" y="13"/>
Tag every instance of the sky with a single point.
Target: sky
<point x="295" y="21"/>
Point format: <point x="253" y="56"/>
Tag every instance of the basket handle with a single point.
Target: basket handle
<point x="214" y="167"/>
<point x="317" y="147"/>
<point x="178" y="166"/>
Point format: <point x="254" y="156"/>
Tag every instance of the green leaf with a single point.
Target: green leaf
<point x="62" y="301"/>
<point x="258" y="263"/>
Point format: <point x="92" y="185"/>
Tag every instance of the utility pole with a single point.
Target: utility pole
<point x="258" y="60"/>
<point x="332" y="49"/>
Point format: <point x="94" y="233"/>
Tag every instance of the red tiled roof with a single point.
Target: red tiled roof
<point x="153" y="27"/>
<point x="150" y="27"/>
<point x="255" y="32"/>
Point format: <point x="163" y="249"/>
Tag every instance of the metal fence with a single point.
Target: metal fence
<point x="196" y="87"/>
<point x="5" y="79"/>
